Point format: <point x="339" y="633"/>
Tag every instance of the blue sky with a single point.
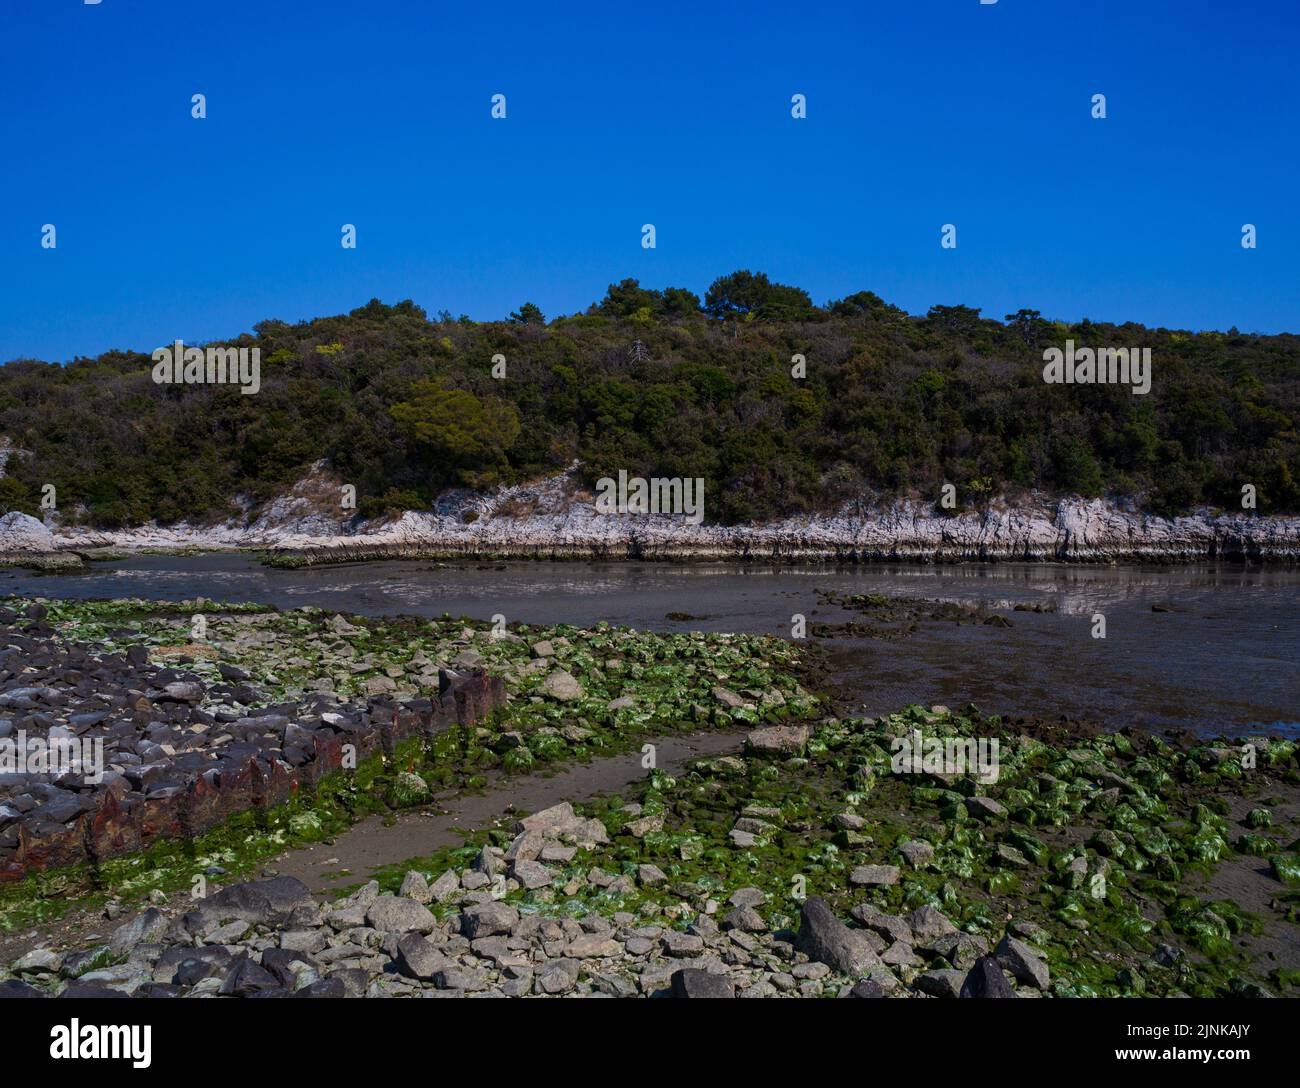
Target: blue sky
<point x="920" y="113"/>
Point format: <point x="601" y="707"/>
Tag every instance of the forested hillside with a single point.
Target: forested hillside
<point x="664" y="383"/>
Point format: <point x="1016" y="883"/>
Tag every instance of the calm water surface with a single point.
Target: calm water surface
<point x="1226" y="657"/>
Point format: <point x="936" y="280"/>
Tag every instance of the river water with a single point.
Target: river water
<point x="1224" y="657"/>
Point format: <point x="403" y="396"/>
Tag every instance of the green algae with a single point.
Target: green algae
<point x="1104" y="893"/>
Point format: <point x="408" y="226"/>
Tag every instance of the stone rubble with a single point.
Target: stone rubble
<point x="271" y="938"/>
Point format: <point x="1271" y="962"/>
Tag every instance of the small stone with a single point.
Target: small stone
<point x="394" y="914"/>
<point x="1023" y="962"/>
<point x="678" y="945"/>
<point x="986" y="980"/>
<point x="414" y="886"/>
<point x="985" y="808"/>
<point x="561" y="686"/>
<point x="944" y="983"/>
<point x="557" y="976"/>
<point x="532" y="874"/>
<point x="694" y="982"/>
<point x="918" y="854"/>
<point x="874" y="876"/>
<point x="928" y="923"/>
<point x="650" y="875"/>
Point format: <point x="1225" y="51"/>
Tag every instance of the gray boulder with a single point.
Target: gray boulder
<point x="825" y="938"/>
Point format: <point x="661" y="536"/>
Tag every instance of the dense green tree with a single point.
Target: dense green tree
<point x="468" y="435"/>
<point x="528" y="314"/>
<point x="891" y="404"/>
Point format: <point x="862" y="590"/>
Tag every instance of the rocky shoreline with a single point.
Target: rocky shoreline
<point x="809" y="864"/>
<point x="554" y="519"/>
<point x="180" y="753"/>
<point x="799" y="868"/>
<point x="204" y="711"/>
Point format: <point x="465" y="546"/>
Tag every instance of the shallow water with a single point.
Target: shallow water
<point x="1226" y="658"/>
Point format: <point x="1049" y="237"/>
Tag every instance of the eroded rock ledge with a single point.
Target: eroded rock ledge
<point x="555" y="519"/>
<point x="173" y="769"/>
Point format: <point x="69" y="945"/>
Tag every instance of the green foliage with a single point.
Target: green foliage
<point x="402" y="407"/>
<point x="528" y="314"/>
<point x="744" y="294"/>
<point x="468" y="436"/>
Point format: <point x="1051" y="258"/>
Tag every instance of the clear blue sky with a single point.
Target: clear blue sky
<point x="376" y="112"/>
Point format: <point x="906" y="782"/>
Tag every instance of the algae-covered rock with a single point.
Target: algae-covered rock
<point x="1286" y="868"/>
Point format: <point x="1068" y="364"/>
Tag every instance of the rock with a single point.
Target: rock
<point x="874" y="876"/>
<point x="778" y="738"/>
<point x="899" y="954"/>
<point x="340" y="626"/>
<point x="414" y="886"/>
<point x="986" y="980"/>
<point x="867" y="988"/>
<point x="487" y="920"/>
<point x="824" y="937"/>
<point x="149" y="927"/>
<point x="543" y="649"/>
<point x="943" y="983"/>
<point x="985" y="808"/>
<point x="307" y="941"/>
<point x="526" y="846"/>
<point x="182" y="691"/>
<point x="694" y="982"/>
<point x="928" y="924"/>
<point x="24" y="533"/>
<point x="394" y="914"/>
<point x="76" y="991"/>
<point x="491" y="861"/>
<point x="745" y="919"/>
<point x="230" y="933"/>
<point x="642" y="827"/>
<point x="561" y="686"/>
<point x="918" y="854"/>
<point x="962" y="950"/>
<point x="262" y="902"/>
<point x="680" y="945"/>
<point x="650" y="875"/>
<point x="562" y="820"/>
<point x="37" y="961"/>
<point x="532" y="874"/>
<point x="419" y="958"/>
<point x="748" y="897"/>
<point x="445" y="887"/>
<point x="593" y="946"/>
<point x="887" y="925"/>
<point x="557" y="976"/>
<point x="323" y="987"/>
<point x="1022" y="961"/>
<point x="13" y="988"/>
<point x="246" y="977"/>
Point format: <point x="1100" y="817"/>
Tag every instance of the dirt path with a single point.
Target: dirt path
<point x="372" y="843"/>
